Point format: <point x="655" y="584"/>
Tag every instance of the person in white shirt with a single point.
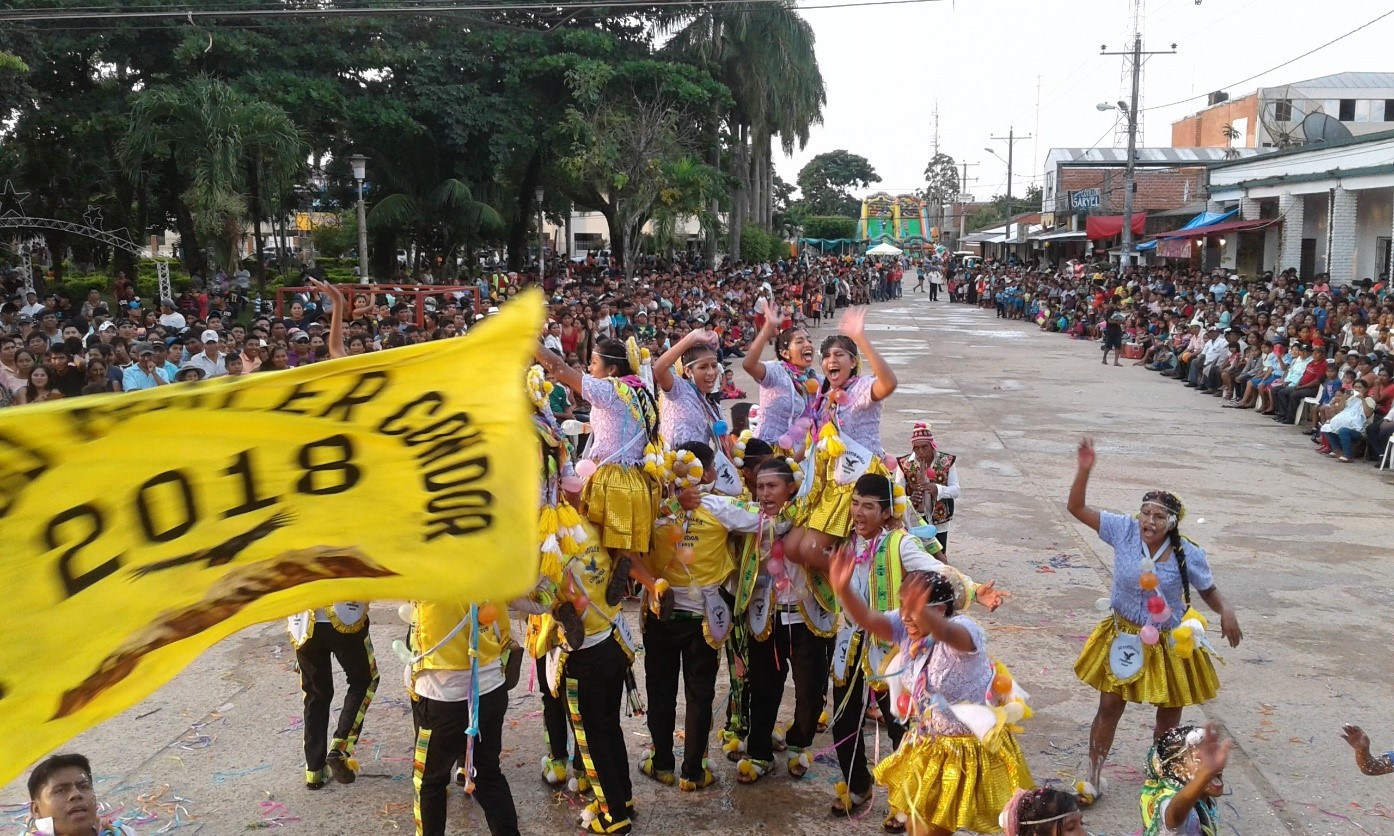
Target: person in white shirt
<point x="169" y="317"/>
<point x="32" y="306"/>
<point x="210" y="360"/>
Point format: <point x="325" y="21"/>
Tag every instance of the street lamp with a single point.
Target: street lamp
<point x="360" y="173"/>
<point x="1125" y="257"/>
<point x="538" y="195"/>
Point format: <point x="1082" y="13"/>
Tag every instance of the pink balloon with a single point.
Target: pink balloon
<point x="776" y="565"/>
<point x="786" y="442"/>
<point x="777" y="550"/>
<point x="1149" y="634"/>
<point x="580" y="601"/>
<point x="585" y="468"/>
<point x="782" y="583"/>
<point x="572" y="484"/>
<point x="892" y="463"/>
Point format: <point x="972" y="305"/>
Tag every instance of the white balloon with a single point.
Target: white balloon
<point x="399" y="649"/>
<point x="1103" y="605"/>
<point x="404" y="613"/>
<point x="1014" y="710"/>
<point x="1200" y="521"/>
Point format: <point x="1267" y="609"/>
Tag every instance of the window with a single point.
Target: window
<point x="1362" y="110"/>
<point x="1389" y="110"/>
<point x="1347" y="110"/>
<point x="1282" y="110"/>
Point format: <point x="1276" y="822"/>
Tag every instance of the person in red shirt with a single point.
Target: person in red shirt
<point x="1287" y="399"/>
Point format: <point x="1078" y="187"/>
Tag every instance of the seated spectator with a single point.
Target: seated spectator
<point x="1348" y="424"/>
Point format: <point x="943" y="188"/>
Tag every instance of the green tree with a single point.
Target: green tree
<point x="830" y="227"/>
<point x="941" y="184"/>
<point x="826" y="180"/>
<point x="630" y="125"/>
<point x="220" y="145"/>
<point x="765" y="57"/>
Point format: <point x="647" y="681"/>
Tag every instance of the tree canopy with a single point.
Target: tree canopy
<point x="826" y="180"/>
<point x="211" y="127"/>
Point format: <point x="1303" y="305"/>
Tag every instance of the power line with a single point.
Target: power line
<point x="190" y="14"/>
<point x="1312" y="51"/>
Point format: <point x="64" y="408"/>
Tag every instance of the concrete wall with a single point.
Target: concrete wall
<point x="1373" y="220"/>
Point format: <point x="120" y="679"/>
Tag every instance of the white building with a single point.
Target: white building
<point x="1326" y="207"/>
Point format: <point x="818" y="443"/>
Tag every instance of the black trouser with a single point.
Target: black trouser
<point x="1377" y="438"/>
<point x="556" y="723"/>
<point x="943" y="537"/>
<point x="847" y="728"/>
<point x="789" y="646"/>
<point x="441" y="743"/>
<point x="594" y="692"/>
<point x="933" y="291"/>
<point x="354" y="651"/>
<point x="673" y="646"/>
<point x="1287" y="401"/>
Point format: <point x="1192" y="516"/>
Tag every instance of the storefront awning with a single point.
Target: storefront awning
<point x="1108" y="226"/>
<point x="1204" y="219"/>
<point x="1220" y="229"/>
<point x="1059" y="236"/>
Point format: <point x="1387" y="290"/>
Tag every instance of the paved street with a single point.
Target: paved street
<point x="1299" y="544"/>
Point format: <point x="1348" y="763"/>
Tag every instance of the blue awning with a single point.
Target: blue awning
<point x="1203" y="219"/>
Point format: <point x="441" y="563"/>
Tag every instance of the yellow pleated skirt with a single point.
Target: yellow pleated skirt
<point x="622" y="501"/>
<point x="829" y="507"/>
<point x="1167" y="680"/>
<point x="956" y="783"/>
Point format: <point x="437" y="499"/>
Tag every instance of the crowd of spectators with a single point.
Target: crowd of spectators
<point x="1299" y="351"/>
<point x="55" y="347"/>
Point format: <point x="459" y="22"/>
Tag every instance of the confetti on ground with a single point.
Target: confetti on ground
<point x="222" y="777"/>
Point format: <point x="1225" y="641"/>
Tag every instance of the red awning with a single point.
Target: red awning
<point x="1109" y="226"/>
<point x="1218" y="229"/>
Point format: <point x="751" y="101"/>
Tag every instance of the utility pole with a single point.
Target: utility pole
<point x="963" y="207"/>
<point x="1011" y="139"/>
<point x="1125" y="258"/>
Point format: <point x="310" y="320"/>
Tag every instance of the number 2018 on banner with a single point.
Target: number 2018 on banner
<point x="326" y="467"/>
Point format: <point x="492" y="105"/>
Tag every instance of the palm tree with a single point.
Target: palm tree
<point x="1231" y="134"/>
<point x="688" y="192"/>
<point x="215" y="144"/>
<point x="442" y="220"/>
<point x="765" y="58"/>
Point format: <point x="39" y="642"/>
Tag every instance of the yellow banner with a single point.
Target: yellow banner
<point x="141" y="528"/>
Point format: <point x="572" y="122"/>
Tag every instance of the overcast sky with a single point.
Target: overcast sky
<point x="886" y="66"/>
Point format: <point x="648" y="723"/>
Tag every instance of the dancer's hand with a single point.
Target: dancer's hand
<point x="703" y="336"/>
<point x="1085" y="454"/>
<point x="853" y="324"/>
<point x="1212" y="754"/>
<point x="1229" y="627"/>
<point x="774" y="315"/>
<point x="990" y="596"/>
<point x="1356" y="737"/>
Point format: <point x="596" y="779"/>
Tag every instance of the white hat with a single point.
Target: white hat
<point x="210" y="336"/>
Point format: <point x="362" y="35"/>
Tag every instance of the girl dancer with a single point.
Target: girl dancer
<point x="848" y="416"/>
<point x="685" y="408"/>
<point x="944" y="778"/>
<point x="688" y="409"/>
<point x="788" y="382"/>
<point x="618" y="497"/>
<point x="883" y="556"/>
<point x="1148" y="648"/>
<point x="1185" y="776"/>
<point x="790" y="615"/>
<point x="1042" y="812"/>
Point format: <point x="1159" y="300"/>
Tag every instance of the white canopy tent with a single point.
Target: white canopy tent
<point x="885" y="248"/>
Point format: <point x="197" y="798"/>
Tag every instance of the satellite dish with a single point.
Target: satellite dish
<point x="1289" y="132"/>
<point x="1320" y="127"/>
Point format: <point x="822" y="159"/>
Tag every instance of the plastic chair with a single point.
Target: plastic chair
<point x="1388" y="454"/>
<point x="1302" y="408"/>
